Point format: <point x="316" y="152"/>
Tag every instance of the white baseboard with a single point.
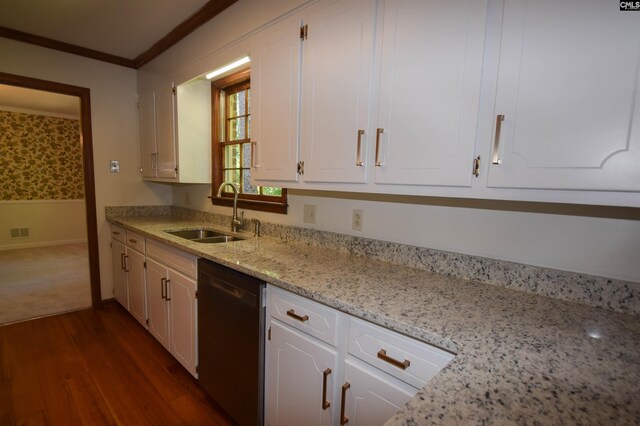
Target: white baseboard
<point x="41" y="244"/>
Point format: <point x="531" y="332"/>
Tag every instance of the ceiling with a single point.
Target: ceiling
<point x="124" y="29"/>
<point x="36" y="100"/>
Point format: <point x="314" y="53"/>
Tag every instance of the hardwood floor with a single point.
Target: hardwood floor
<point x="95" y="367"/>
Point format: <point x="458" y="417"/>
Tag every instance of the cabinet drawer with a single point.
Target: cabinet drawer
<point x="173" y="258"/>
<point x="407" y="359"/>
<point x="117" y="233"/>
<point x="312" y="318"/>
<point x="135" y="241"/>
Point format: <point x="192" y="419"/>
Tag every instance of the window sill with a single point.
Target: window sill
<point x="264" y="206"/>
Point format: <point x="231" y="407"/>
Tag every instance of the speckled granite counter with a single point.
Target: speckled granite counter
<point x="521" y="358"/>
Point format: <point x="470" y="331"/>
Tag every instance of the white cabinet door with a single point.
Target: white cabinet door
<point x="275" y="84"/>
<point x="147" y="117"/>
<point x="165" y="132"/>
<point x="372" y="397"/>
<point x="336" y="87"/>
<point x="120" y="288"/>
<point x="157" y="305"/>
<point x="136" y="280"/>
<point x="431" y="69"/>
<point x="568" y="90"/>
<point x="295" y="378"/>
<point x="181" y="297"/>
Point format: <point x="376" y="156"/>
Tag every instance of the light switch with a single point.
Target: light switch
<point x="115" y="166"/>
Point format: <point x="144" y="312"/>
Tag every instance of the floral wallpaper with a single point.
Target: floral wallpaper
<point x="40" y="158"/>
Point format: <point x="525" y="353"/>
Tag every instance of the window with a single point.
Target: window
<point x="231" y="130"/>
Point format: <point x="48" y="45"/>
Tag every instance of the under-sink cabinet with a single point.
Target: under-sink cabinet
<point x="171" y="287"/>
<point x="325" y="367"/>
<point x="157" y="285"/>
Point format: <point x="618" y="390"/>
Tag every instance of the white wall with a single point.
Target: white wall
<point x="114" y="122"/>
<point x="50" y="222"/>
<point x="591" y="245"/>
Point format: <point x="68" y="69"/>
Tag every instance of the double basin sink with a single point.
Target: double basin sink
<point x="206" y="236"/>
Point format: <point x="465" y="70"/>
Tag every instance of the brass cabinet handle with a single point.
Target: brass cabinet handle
<point x="122" y="265"/>
<point x="162" y="292"/>
<point x="126" y="268"/>
<point x="166" y="289"/>
<point x="253" y="154"/>
<point x="293" y="314"/>
<point x="132" y="241"/>
<point x="495" y="156"/>
<point x="359" y="148"/>
<point x="344" y="419"/>
<point x="115" y="232"/>
<point x="325" y="404"/>
<point x="382" y="354"/>
<point x="378" y="163"/>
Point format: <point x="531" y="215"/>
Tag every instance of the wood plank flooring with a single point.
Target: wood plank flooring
<point x="95" y="367"/>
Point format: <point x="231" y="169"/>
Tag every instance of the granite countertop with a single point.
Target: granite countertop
<point x="520" y="358"/>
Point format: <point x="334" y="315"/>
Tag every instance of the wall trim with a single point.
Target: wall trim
<point x="41" y="244"/>
<point x="38" y="112"/>
<point x="75" y="201"/>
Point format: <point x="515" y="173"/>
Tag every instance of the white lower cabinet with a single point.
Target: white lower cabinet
<point x="157" y="285"/>
<point x="370" y="396"/>
<point x="361" y="377"/>
<point x="128" y="267"/>
<point x="120" y="287"/>
<point x="301" y="377"/>
<point x="172" y="302"/>
<point x="134" y="262"/>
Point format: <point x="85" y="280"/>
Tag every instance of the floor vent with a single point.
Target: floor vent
<point x="19" y="233"/>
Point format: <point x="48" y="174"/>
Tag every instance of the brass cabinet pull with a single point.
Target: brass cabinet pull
<point x="166" y="289"/>
<point x="253" y="154"/>
<point x="126" y="268"/>
<point x="380" y="131"/>
<point x="382" y="354"/>
<point x="293" y="314"/>
<point x="325" y="404"/>
<point x="122" y="265"/>
<point x="162" y="292"/>
<point x="344" y="419"/>
<point x="359" y="148"/>
<point x="495" y="156"/>
<point x="115" y="232"/>
<point x="132" y="241"/>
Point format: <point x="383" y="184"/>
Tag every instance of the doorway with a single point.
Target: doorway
<point x="83" y="97"/>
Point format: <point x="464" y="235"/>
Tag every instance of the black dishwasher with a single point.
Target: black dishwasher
<point x="231" y="317"/>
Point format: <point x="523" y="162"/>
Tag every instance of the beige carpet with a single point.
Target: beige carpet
<point x="41" y="281"/>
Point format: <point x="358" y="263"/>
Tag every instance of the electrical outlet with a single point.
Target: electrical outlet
<point x="309" y="214"/>
<point x="356" y="220"/>
<point x="187" y="199"/>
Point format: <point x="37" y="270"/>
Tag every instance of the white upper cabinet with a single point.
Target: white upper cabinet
<point x="568" y="91"/>
<point x="147" y="116"/>
<point x="337" y="58"/>
<point x="175" y="132"/>
<point x="156" y="110"/>
<point x="431" y="69"/>
<point x="275" y="87"/>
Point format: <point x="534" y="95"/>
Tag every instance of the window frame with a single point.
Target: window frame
<point x="245" y="201"/>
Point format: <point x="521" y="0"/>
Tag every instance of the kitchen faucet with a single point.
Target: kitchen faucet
<point x="235" y="223"/>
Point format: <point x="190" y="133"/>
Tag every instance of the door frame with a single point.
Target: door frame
<point x="87" y="163"/>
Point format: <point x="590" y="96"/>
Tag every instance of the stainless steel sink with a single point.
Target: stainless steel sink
<point x="206" y="236"/>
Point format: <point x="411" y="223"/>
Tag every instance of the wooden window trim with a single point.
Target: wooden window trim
<point x="245" y="201"/>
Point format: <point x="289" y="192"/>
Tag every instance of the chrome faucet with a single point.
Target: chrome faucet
<point x="235" y="223"/>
